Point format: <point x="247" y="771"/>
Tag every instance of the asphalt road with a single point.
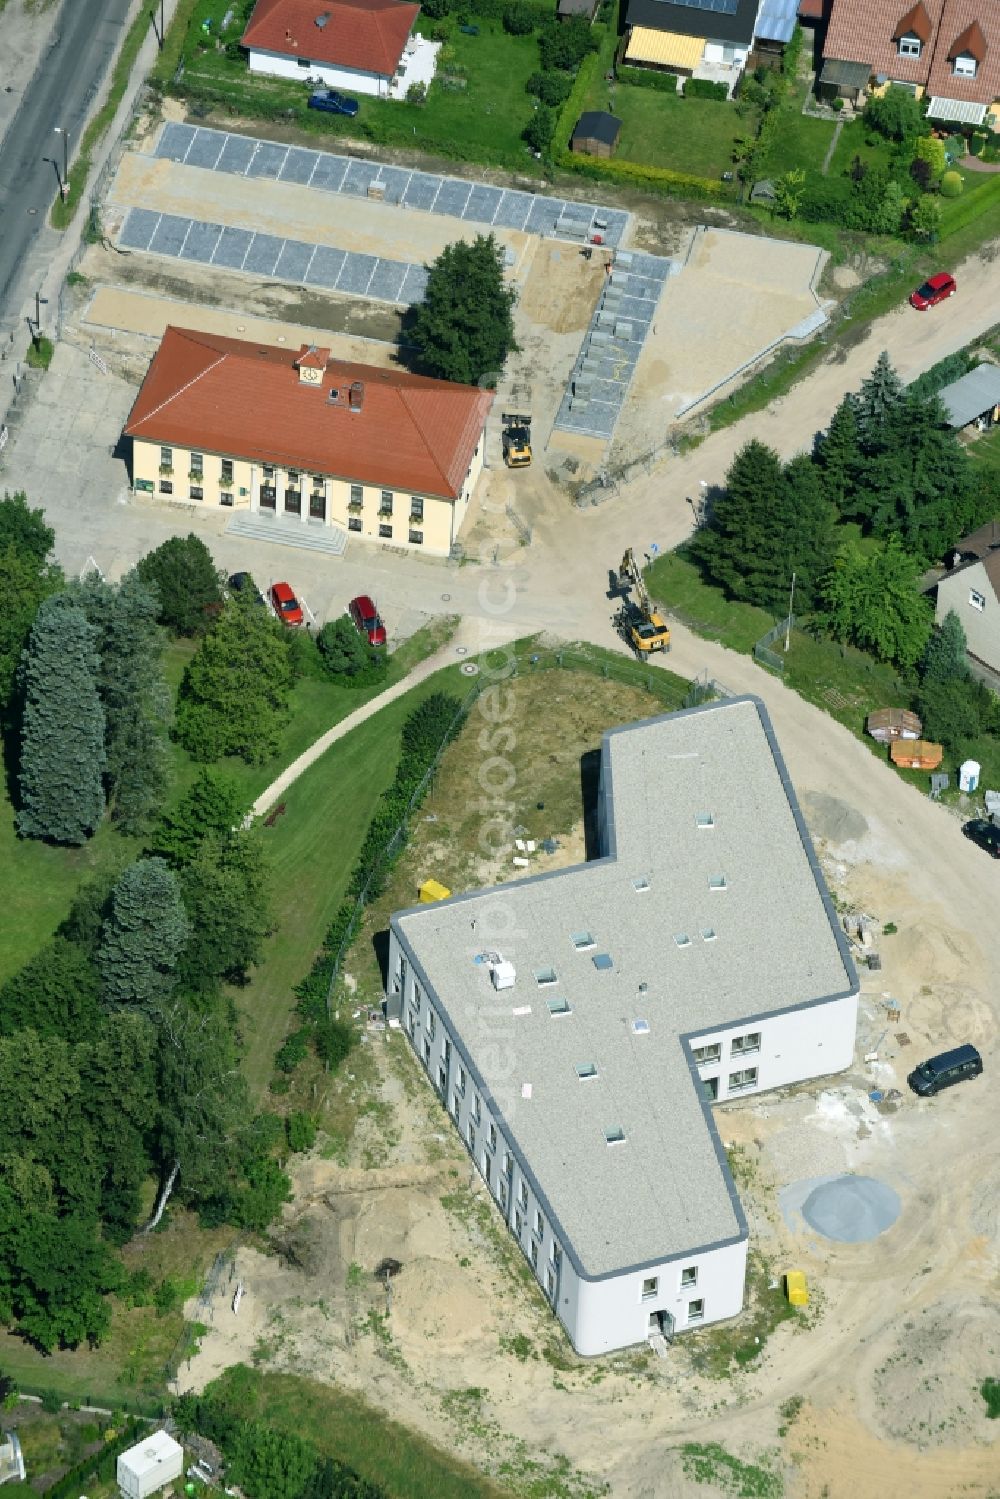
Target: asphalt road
<point x="66" y="81"/>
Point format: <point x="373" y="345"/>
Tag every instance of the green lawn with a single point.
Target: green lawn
<point x="342" y="1426"/>
<point x="476" y="107"/>
<point x="665" y="130"/>
<point x="311" y="850"/>
<point x="800" y="141"/>
<point x="985" y="451"/>
<point x="844" y="682"/>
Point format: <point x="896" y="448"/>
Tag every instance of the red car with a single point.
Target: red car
<point x="934" y="290"/>
<point x="286" y="606"/>
<point x="366" y="619"/>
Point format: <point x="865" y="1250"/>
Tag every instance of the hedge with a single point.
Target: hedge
<point x="573" y="108"/>
<point x="101" y="1466"/>
<point x="657" y="179"/>
<point x="704" y="88"/>
<point x="664" y="83"/>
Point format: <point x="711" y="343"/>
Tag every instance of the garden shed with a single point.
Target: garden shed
<point x="596" y="133"/>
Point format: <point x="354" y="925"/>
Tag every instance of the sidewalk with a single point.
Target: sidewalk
<point x="468" y="639"/>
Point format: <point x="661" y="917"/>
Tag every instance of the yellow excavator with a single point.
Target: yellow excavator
<point x="516" y="439"/>
<point x="644" y="629"/>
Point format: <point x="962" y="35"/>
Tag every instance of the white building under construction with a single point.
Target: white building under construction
<point x="579" y="1025"/>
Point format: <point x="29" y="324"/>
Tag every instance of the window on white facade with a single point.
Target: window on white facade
<point x="539" y="1224"/>
<point x="555" y="1254"/>
<point x="740" y="1081"/>
<point x="522" y="1195"/>
<point x="909" y="45"/>
<point x="703" y="1054"/>
<point x="965" y="66"/>
<point x="689" y="1277"/>
<point x="508" y="1164"/>
<point x="518" y="1223"/>
<point x="456" y="1104"/>
<point x="502" y="1193"/>
<point x="533" y="1251"/>
<point x="431" y="1024"/>
<point x="472" y="1135"/>
<point x="650" y="1286"/>
<point x="427" y="1052"/>
<point x="977" y="600"/>
<point x="717" y="882"/>
<point x="477" y="1108"/>
<point x="491" y="1137"/>
<point x="443" y="1078"/>
<point x="415" y="997"/>
<point x="696" y="1311"/>
<point x="550" y="1283"/>
<point x="461" y="1081"/>
<point x="705" y="819"/>
<point x="744" y="1045"/>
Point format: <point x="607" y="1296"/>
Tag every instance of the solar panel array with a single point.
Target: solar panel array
<point x="271" y="257"/>
<point x="717" y="7"/>
<point x="476" y="202"/>
<point x="601" y="376"/>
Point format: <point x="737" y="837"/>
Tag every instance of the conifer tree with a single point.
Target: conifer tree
<point x="876" y="405"/>
<point x="62" y="741"/>
<point x="839" y="456"/>
<point x="464" y="327"/>
<point x="143" y="936"/>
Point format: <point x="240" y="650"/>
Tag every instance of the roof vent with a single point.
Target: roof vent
<point x="640" y="1027"/>
<point x="322" y="19"/>
<point x="717" y="882"/>
<point x="705" y="819"/>
<point x="708" y="934"/>
<point x="586" y="1070"/>
<point x="502" y="973"/>
<point x="582" y="940"/>
<point x="544" y="976"/>
<point x="357" y="395"/>
<point x="614" y="1134"/>
<point x="640" y="884"/>
<point x="559" y="1006"/>
<point x="682" y="939"/>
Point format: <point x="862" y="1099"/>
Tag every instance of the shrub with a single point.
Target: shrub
<point x="666" y="83"/>
<point x="837" y="105"/>
<point x="704" y="88"/>
<point x="292" y="1051"/>
<point x="300" y="1131"/>
<point x="333" y="1041"/>
<point x="990" y="1391"/>
<point x="436" y="10"/>
<point x="552" y="88"/>
<point x="952" y="185"/>
<point x="564" y="44"/>
<point x="417" y="93"/>
<point x="519" y="19"/>
<point x="540" y="129"/>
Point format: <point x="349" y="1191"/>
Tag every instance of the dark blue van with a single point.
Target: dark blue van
<point x="945" y="1070"/>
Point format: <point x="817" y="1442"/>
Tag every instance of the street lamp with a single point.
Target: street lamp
<point x="59" y="130"/>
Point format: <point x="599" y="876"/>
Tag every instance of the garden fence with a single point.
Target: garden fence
<point x="762" y="651"/>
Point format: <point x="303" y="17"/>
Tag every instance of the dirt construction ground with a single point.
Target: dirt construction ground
<point x="872" y="1392"/>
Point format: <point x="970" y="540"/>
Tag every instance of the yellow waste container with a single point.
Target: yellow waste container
<point x="796" y="1289"/>
<point x="432" y="890"/>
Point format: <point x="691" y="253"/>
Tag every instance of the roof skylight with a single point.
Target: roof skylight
<point x="705" y="819"/>
<point x="582" y="940"/>
<point x="640" y="884"/>
<point x="640" y="1027"/>
<point x="586" y="1070"/>
<point x="559" y="1006"/>
<point x="682" y="939"/>
<point x="614" y="1134"/>
<point x="717" y="882"/>
<point x="602" y="961"/>
<point x="544" y="976"/>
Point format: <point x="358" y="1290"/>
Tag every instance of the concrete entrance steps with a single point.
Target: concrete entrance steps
<point x="289" y="533"/>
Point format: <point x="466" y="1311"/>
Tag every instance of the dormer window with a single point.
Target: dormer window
<point x="909" y="45"/>
<point x="965" y="65"/>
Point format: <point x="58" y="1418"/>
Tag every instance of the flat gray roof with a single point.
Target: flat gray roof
<point x="766" y="942"/>
<point x="972" y="395"/>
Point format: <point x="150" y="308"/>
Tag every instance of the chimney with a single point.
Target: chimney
<point x="357" y="395"/>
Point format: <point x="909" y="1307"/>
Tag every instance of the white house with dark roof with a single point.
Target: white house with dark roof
<point x="579" y="1025"/>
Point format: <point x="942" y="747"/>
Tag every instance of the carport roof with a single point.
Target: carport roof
<point x="845" y="74"/>
<point x="972" y="395"/>
<point x="208" y="393"/>
<point x="365" y="34"/>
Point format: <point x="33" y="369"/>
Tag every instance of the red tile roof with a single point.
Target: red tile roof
<point x="865" y="31"/>
<point x="208" y="393"/>
<point x="961" y="20"/>
<point x="365" y="34"/>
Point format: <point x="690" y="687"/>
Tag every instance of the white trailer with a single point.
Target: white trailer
<point x="150" y="1465"/>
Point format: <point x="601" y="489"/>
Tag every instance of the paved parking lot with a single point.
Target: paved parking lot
<point x="273" y="257"/>
<point x="475" y="202"/>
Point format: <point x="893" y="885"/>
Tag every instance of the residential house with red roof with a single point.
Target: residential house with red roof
<point x="946" y="49"/>
<point x="361" y="46"/>
<point x="308" y="439"/>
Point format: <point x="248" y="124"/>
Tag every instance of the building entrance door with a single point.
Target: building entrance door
<point x="711" y="1088"/>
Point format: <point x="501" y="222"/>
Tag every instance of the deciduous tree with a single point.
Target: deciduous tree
<point x="62" y="742"/>
<point x="56" y="994"/>
<point x="464" y="327"/>
<point x="224" y="888"/>
<point x="872" y="600"/>
<point x="234" y="696"/>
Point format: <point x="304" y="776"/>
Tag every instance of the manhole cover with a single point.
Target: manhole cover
<point x="461" y="650"/>
<point x="446" y="598"/>
<point x="470" y="669"/>
<point x="32" y="210"/>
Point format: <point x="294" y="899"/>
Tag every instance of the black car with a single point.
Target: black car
<point x="985" y="833"/>
<point x="333" y="103"/>
<point x="243" y="583"/>
<point x="945" y="1071"/>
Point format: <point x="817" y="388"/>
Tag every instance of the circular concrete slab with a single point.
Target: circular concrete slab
<point x="851" y="1209"/>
